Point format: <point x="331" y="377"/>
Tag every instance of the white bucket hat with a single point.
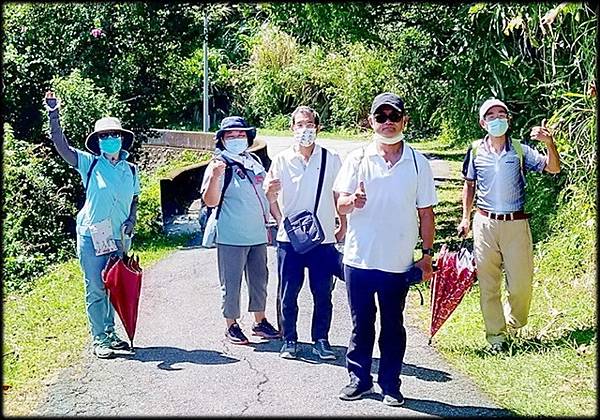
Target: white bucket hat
<point x="108" y="124"/>
<point x="485" y="107"/>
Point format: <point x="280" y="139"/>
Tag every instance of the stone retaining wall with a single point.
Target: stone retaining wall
<point x="151" y="157"/>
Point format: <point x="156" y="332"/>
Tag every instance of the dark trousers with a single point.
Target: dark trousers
<point x="291" y="267"/>
<point x="362" y="286"/>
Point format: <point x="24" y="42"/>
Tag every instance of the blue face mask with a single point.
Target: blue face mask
<point x="497" y="127"/>
<point x="236" y="146"/>
<point x="110" y="145"/>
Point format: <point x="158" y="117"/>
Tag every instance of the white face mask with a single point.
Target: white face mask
<point x="388" y="140"/>
<point x="305" y="136"/>
<point x="236" y="145"/>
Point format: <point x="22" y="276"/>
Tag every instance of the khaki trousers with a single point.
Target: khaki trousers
<point x="508" y="242"/>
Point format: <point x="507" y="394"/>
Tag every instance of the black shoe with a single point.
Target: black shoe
<point x="289" y="350"/>
<point x="265" y="330"/>
<point x="322" y="349"/>
<point x="354" y="391"/>
<point x="235" y="335"/>
<point x="393" y="399"/>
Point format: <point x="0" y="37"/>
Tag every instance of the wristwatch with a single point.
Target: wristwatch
<point x="427" y="251"/>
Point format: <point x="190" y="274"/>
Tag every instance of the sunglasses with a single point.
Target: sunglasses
<point x="393" y="117"/>
<point x="109" y="134"/>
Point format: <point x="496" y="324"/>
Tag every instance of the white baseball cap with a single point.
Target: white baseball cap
<point x="490" y="103"/>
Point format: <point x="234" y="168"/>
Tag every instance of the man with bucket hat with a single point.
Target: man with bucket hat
<point x="387" y="191"/>
<point x="112" y="187"/>
<point x="495" y="166"/>
<point x="232" y="185"/>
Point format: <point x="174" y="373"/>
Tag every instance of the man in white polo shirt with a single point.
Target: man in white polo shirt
<point x="495" y="165"/>
<point x="388" y="192"/>
<point x="291" y="186"/>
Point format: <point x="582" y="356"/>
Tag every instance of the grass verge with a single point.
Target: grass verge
<point x="550" y="368"/>
<point x="46" y="329"/>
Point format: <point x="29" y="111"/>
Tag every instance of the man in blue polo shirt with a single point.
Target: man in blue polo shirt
<point x="494" y="166"/>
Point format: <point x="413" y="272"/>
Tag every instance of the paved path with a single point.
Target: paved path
<point x="183" y="367"/>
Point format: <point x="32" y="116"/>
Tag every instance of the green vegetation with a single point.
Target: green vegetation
<point x="45" y="329"/>
<point x="142" y="62"/>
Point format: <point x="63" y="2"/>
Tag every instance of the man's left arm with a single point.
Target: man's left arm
<point x="427" y="232"/>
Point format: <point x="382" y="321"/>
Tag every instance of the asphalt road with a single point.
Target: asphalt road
<point x="182" y="366"/>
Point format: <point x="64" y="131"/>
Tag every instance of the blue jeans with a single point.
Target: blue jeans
<point x="291" y="267"/>
<point x="100" y="312"/>
<point x="362" y="285"/>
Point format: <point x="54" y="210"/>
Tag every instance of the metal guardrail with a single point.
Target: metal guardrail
<point x="181" y="187"/>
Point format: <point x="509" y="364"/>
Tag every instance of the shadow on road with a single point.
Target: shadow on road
<point x="306" y="355"/>
<point x="436" y="408"/>
<point x="441" y="409"/>
<point x="168" y="356"/>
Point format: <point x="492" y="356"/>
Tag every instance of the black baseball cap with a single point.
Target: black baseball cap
<point x="387" y="98"/>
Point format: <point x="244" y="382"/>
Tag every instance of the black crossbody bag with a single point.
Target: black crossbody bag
<point x="303" y="227"/>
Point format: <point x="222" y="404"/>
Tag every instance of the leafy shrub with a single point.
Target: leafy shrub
<point x="277" y="122"/>
<point x="35" y="219"/>
<point x="82" y="104"/>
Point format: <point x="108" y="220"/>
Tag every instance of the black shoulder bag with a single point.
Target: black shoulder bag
<point x="303" y="227"/>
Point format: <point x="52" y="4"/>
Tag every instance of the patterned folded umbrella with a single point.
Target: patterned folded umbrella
<point x="455" y="275"/>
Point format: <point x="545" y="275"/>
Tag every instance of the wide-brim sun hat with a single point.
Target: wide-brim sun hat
<point x="235" y="123"/>
<point x="490" y="103"/>
<point x="108" y="124"/>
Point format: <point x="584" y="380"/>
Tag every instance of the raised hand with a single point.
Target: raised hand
<point x="541" y="133"/>
<point x="51" y="102"/>
<point x="360" y="196"/>
<point x="274" y="186"/>
<point x="217" y="168"/>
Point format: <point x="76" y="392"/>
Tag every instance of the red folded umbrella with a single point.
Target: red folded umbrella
<point x="455" y="275"/>
<point x="123" y="281"/>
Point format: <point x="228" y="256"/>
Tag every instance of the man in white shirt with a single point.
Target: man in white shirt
<point x="291" y="186"/>
<point x="382" y="234"/>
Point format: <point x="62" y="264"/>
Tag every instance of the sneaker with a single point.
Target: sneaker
<point x="354" y="391"/>
<point x="497" y="348"/>
<point x="322" y="349"/>
<point x="235" y="335"/>
<point x="116" y="343"/>
<point x="393" y="399"/>
<point x="102" y="348"/>
<point x="265" y="329"/>
<point x="289" y="350"/>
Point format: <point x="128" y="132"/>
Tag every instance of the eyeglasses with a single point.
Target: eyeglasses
<point x="393" y="117"/>
<point x="108" y="134"/>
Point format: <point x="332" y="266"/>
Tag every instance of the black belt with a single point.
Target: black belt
<point x="516" y="215"/>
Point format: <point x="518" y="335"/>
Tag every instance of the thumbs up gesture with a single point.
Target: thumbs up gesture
<point x="359" y="198"/>
<point x="542" y="133"/>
